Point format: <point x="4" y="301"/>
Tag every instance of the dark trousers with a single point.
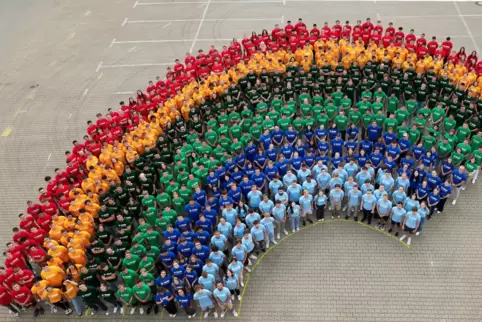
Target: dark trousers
<point x="320" y="212"/>
<point x="189" y="310"/>
<point x="171" y="307"/>
<point x="367" y="214"/>
<point x="96" y="304"/>
<point x="62" y="305"/>
<point x="235" y="292"/>
<point x="260" y="245"/>
<point x="12" y="308"/>
<point x="441" y="204"/>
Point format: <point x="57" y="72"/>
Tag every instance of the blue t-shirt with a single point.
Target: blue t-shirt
<point x="306" y="202"/>
<point x="354" y="197"/>
<point x="218" y="242"/>
<point x="384" y="207"/>
<point x="268" y="223"/>
<point x="184" y="301"/>
<point x="369" y="202"/>
<point x="320" y="200"/>
<point x="231" y="283"/>
<point x="258" y="232"/>
<point x="222" y="295"/>
<point x="163" y="298"/>
<point x="337" y="196"/>
<point x="294" y="192"/>
<point x="412" y="220"/>
<point x="398" y="214"/>
<point x="458" y="177"/>
<point x="240" y="252"/>
<point x="254" y="198"/>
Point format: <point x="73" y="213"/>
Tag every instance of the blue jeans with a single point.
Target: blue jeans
<point x="78" y="304"/>
<point x="423" y="220"/>
<point x="295" y="223"/>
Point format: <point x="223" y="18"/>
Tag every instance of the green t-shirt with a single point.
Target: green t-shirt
<point x="341" y="122"/>
<point x="392" y="104"/>
<point x="148" y="264"/>
<point x="444" y="149"/>
<point x="462" y="133"/>
<point x="126" y="295"/>
<point x="132" y="263"/>
<point x="164" y="200"/>
<point x="143" y="292"/>
<point x="401" y="115"/>
<point x="149" y="201"/>
<point x="476" y="142"/>
<point x="148" y="278"/>
<point x="129" y="278"/>
<point x="437" y="113"/>
<point x="428" y="142"/>
<point x="466" y="149"/>
<point x="457" y="158"/>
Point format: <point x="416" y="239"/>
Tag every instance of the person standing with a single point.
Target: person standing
<point x="222" y="295"/>
<point x="204" y="299"/>
<point x="354" y="200"/>
<point x="445" y="193"/>
<point x="260" y="235"/>
<point x="320" y="204"/>
<point x="126" y="296"/>
<point x="184" y="299"/>
<point x="397" y="215"/>
<point x="142" y="292"/>
<point x="166" y="300"/>
<point x="410" y="224"/>
<point x="57" y="298"/>
<point x="306" y="204"/>
<point x="368" y="204"/>
<point x="231" y="281"/>
<point x="423" y="211"/>
<point x="7" y="301"/>
<point x="295" y="211"/>
<point x="108" y="295"/>
<point x="458" y="179"/>
<point x="90" y="296"/>
<point x="279" y="215"/>
<point x="336" y="198"/>
<point x="383" y="208"/>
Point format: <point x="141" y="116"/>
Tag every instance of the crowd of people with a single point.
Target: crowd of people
<point x="169" y="200"/>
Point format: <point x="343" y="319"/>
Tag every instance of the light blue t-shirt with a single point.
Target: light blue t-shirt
<point x="231" y="282"/>
<point x="337" y="196"/>
<point x="218" y="242"/>
<point x="238" y="231"/>
<point x="236" y="268"/>
<point x="303" y="174"/>
<point x="240" y="252"/>
<point x="281" y="197"/>
<point x="320" y="200"/>
<point x="399" y="197"/>
<point x="217" y="257"/>
<point x="362" y="176"/>
<point x="288" y="179"/>
<point x="275" y="185"/>
<point x="294" y="192"/>
<point x="423" y="212"/>
<point x="254" y="198"/>
<point x="266" y="206"/>
<point x="225" y="229"/>
<point x="310" y="186"/>
<point x="412" y="220"/>
<point x="250" y="218"/>
<point x="248" y="243"/>
<point x="258" y="232"/>
<point x="211" y="270"/>
<point x="323" y="180"/>
<point x="222" y="295"/>
<point x="268" y="223"/>
<point x="307" y="203"/>
<point x="207" y="282"/>
<point x="230" y="215"/>
<point x="354" y="198"/>
<point x="279" y="212"/>
<point x="295" y="211"/>
<point x="384" y="207"/>
<point x="410" y="203"/>
<point x="369" y="201"/>
<point x="204" y="298"/>
<point x="398" y="214"/>
<point x="351" y="169"/>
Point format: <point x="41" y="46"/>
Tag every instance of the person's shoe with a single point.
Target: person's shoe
<point x="253" y="257"/>
<point x="355" y="219"/>
<point x="409" y="241"/>
<point x="310" y="220"/>
<point x="156" y="309"/>
<point x="396" y="234"/>
<point x="438" y="211"/>
<point x="107" y="313"/>
<point x="215" y="315"/>
<point x="206" y="314"/>
<point x="319" y="220"/>
<point x="294" y="230"/>
<point x="16" y="314"/>
<point x="278" y="236"/>
<point x="304" y="223"/>
<point x="141" y="310"/>
<point x="248" y="269"/>
<point x="403" y="237"/>
<point x="383" y="227"/>
<point x="93" y="312"/>
<point x="417" y="233"/>
<point x="322" y="219"/>
<point x="346" y="217"/>
<point x="133" y="310"/>
<point x="464" y="188"/>
<point x="454" y="202"/>
<point x="473" y="181"/>
<point x="115" y="310"/>
<point x="285" y="232"/>
<point x="173" y="316"/>
<point x="193" y="316"/>
<point x="235" y="313"/>
<point x="390" y="230"/>
<point x="35" y="313"/>
<point x="275" y="242"/>
<point x="332" y="216"/>
<point x="344" y="208"/>
<point x="122" y="310"/>
<point x="377" y="226"/>
<point x="239" y="297"/>
<point x="338" y="216"/>
<point x="79" y="314"/>
<point x="54" y="309"/>
<point x="298" y="229"/>
<point x="149" y="311"/>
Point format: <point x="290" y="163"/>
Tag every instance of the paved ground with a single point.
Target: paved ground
<point x="63" y="61"/>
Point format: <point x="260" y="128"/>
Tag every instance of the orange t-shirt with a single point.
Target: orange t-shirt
<point x="54" y="296"/>
<point x="71" y="291"/>
<point x="54" y="276"/>
<point x="78" y="257"/>
<point x="59" y="252"/>
<point x="40" y="290"/>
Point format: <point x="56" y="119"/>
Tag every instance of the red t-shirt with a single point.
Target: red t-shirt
<point x="27" y="222"/>
<point x="19" y="234"/>
<point x="23" y="277"/>
<point x="17" y="260"/>
<point x="37" y="256"/>
<point x="5" y="298"/>
<point x="8" y="278"/>
<point x="23" y="296"/>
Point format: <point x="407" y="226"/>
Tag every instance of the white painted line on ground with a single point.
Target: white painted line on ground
<point x="284" y="2"/>
<point x="112" y="43"/>
<point x="136" y="65"/>
<point x="200" y="26"/>
<point x="217" y="2"/>
<point x="98" y="67"/>
<point x="428" y="16"/>
<point x="166" y="41"/>
<point x="282" y="19"/>
<point x="469" y="32"/>
<point x="378" y="16"/>
<point x="166" y="25"/>
<point x="87" y="13"/>
<point x="50" y="155"/>
<point x="124" y="23"/>
<point x="70" y="115"/>
<point x="131" y="49"/>
<point x="100" y="75"/>
<point x="85" y="92"/>
<point x="123" y="93"/>
<point x="198" y="20"/>
<point x="135" y="4"/>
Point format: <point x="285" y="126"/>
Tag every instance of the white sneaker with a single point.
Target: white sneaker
<point x="122" y="310"/>
<point x="242" y="284"/>
<point x="286" y="233"/>
<point x="297" y="229"/>
<point x="193" y="315"/>
<point x="275" y="242"/>
<point x="409" y="241"/>
<point x="329" y="208"/>
<point x="253" y="257"/>
<point x="133" y="310"/>
<point x="223" y="313"/>
<point x="294" y="230"/>
<point x="107" y="313"/>
<point x="170" y="315"/>
<point x="189" y="316"/>
<point x="344" y="208"/>
<point x="473" y="181"/>
<point x="16" y="314"/>
<point x="278" y="236"/>
<point x="115" y="310"/>
<point x="454" y="202"/>
<point x="319" y="220"/>
<point x="235" y="313"/>
<point x="206" y="314"/>
<point x="438" y="211"/>
<point x="141" y="310"/>
<point x="173" y="316"/>
<point x="463" y="188"/>
<point x="403" y="237"/>
<point x="248" y="269"/>
<point x="338" y="216"/>
<point x="322" y="219"/>
<point x="68" y="311"/>
<point x="54" y="309"/>
<point x="215" y="315"/>
<point x="239" y="297"/>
